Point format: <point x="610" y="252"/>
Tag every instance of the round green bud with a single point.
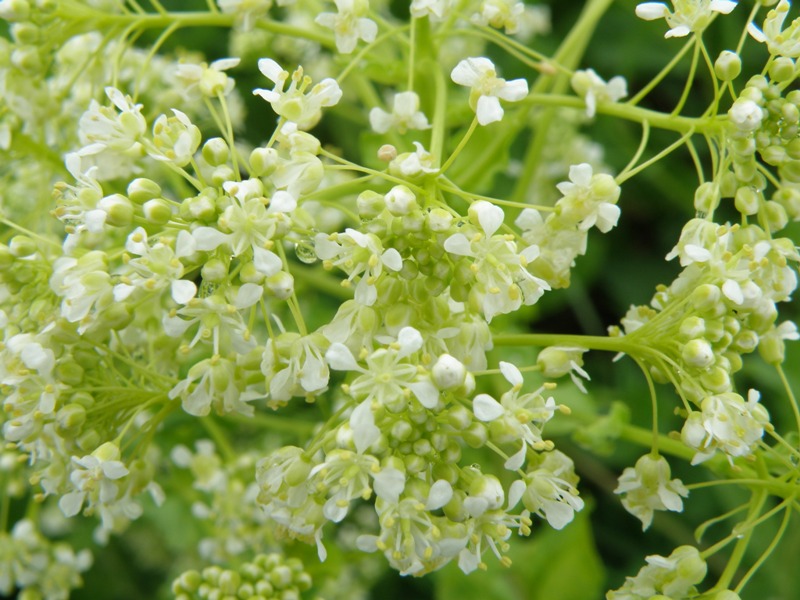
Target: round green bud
<point x="21" y="246"/>
<point x="70" y="373"/>
<point x="118" y="209"/>
<point x="157" y="211"/>
<point x="70" y="417"/>
<point x="216" y="152"/>
<point x="117" y="316"/>
<point x="706" y="197"/>
<point x="475" y="435"/>
<point x="775" y="215"/>
<point x="774" y="155"/>
<point x="264" y="161"/>
<point x="25" y="33"/>
<point x="141" y="190"/>
<point x="214" y="271"/>
<point x="728" y="66"/>
<point x="782" y="69"/>
<point x="202" y="207"/>
<point x="221" y="174"/>
<point x="370" y="204"/>
<point x="790" y="171"/>
<point x="698" y="353"/>
<point x="280" y="285"/>
<point x="27" y="59"/>
<point x="790" y="113"/>
<point x="747" y="200"/>
<point x="716" y="380"/>
<point x="16" y="10"/>
<point x="705" y="297"/>
<point x="692" y="327"/>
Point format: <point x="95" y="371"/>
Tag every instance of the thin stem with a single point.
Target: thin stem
<point x="767" y="552"/>
<point x="460" y="146"/>
<point x="660" y="76"/>
<point x="639" y="151"/>
<point x="689" y="79"/>
<point x="790" y="393"/>
<point x="669" y="149"/>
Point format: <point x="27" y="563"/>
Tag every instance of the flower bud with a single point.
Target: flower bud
<point x="263" y="161"/>
<point x="448" y="372"/>
<point x="157" y="211"/>
<point x="746" y="115"/>
<point x="782" y="69"/>
<point x="747" y="200"/>
<point x="728" y="66"/>
<point x="216" y="152"/>
<point x="280" y="285"/>
<point x="692" y="327"/>
<point x="214" y="271"/>
<point x="706" y="197"/>
<point x="370" y="204"/>
<point x="141" y="190"/>
<point x="698" y="353"/>
<point x="118" y="208"/>
<point x="21" y="246"/>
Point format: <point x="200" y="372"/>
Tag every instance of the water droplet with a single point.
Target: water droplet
<point x="305" y="253"/>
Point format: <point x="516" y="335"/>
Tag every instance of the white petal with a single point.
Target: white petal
<point x="223" y="64"/>
<point x="248" y="295"/>
<point x="362" y="422"/>
<point x="410" y="341"/>
<point x="270" y="69"/>
<point x="458" y="244"/>
<point x="282" y="202"/>
<point x="650" y="11"/>
<point x="389" y="484"/>
<point x="722" y="6"/>
<point x="754" y="32"/>
<point x="340" y="358"/>
<point x="516" y="461"/>
<point x="208" y="238"/>
<point x="486" y="408"/>
<point x="513" y="91"/>
<point x="515" y="493"/>
<point x="392" y="259"/>
<point x="440" y="494"/>
<point x="185" y="244"/>
<point x="558" y="515"/>
<point x="183" y="290"/>
<point x="266" y="261"/>
<point x="70" y="504"/>
<point x="490" y="216"/>
<point x="511" y="373"/>
<point x="489" y="110"/>
<point x="733" y="291"/>
<point x="426" y="393"/>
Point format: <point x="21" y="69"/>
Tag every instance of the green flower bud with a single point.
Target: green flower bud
<point x="782" y="69"/>
<point x="716" y="380"/>
<point x="706" y="297"/>
<point x="70" y="373"/>
<point x="202" y="207"/>
<point x="21" y="246"/>
<point x="263" y="161"/>
<point x="775" y="216"/>
<point x="698" y="353"/>
<point x="27" y="59"/>
<point x="747" y="200"/>
<point x="141" y="190"/>
<point x="706" y="197"/>
<point x="774" y="155"/>
<point x="216" y="152"/>
<point x="370" y="204"/>
<point x="692" y="327"/>
<point x="400" y="200"/>
<point x="475" y="435"/>
<point x="118" y="209"/>
<point x="70" y="417"/>
<point x="25" y="33"/>
<point x="157" y="211"/>
<point x="280" y="285"/>
<point x="214" y="271"/>
<point x="728" y="66"/>
<point x="222" y="174"/>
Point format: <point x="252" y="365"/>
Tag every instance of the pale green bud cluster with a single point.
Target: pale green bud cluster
<point x="266" y="577"/>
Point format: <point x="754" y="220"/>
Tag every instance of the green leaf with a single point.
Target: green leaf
<point x="552" y="564"/>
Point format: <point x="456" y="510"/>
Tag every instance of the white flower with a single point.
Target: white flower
<point x="589" y="199"/>
<point x="175" y="139"/>
<point x="198" y="80"/>
<point x="670" y="577"/>
<point x="746" y="114"/>
<point x="726" y="423"/>
<point x="349" y="24"/>
<point x="647" y="487"/>
<point x="246" y="11"/>
<point x="486" y="88"/>
<point x="358" y="254"/>
<point x="551" y="491"/>
<point x="434" y="9"/>
<point x="781" y="42"/>
<point x="94" y="479"/>
<point x="413" y="164"/>
<point x="688" y="15"/>
<point x="405" y="115"/>
<point x="294" y="104"/>
<point x="594" y="90"/>
<point x="500" y="14"/>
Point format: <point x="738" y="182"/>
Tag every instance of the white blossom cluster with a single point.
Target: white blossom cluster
<point x="351" y="295"/>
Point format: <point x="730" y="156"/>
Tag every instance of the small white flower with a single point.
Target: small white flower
<point x="294" y="104"/>
<point x="688" y="15"/>
<point x="780" y="41"/>
<point x="647" y="487"/>
<point x="487" y="89"/>
<point x="200" y="79"/>
<point x="405" y="115"/>
<point x="501" y="14"/>
<point x="746" y="114"/>
<point x="349" y="24"/>
<point x="595" y="90"/>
